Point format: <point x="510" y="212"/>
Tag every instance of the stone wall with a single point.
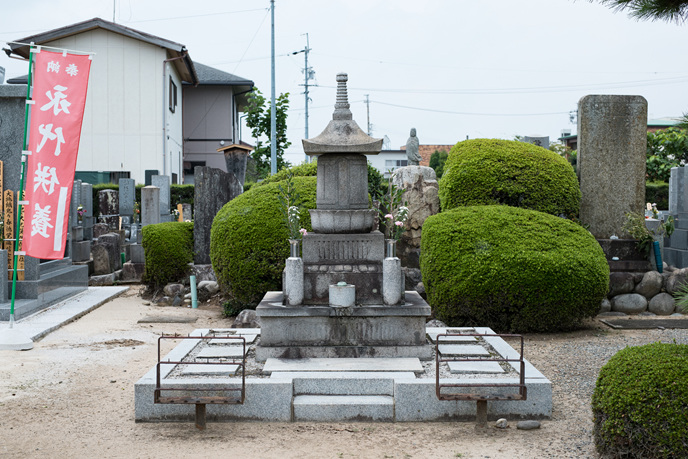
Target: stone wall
<point x="649" y="293"/>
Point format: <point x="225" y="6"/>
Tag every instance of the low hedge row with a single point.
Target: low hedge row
<point x="169" y="249"/>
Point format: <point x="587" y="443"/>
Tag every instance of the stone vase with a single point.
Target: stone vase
<point x="390" y="248"/>
<point x="294" y="248"/>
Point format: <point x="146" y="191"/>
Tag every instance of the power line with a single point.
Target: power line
<point x="538" y="70"/>
<point x="540" y="89"/>
<point x="471" y="114"/>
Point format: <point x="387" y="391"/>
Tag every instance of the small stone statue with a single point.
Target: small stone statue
<point x="412" y="154"/>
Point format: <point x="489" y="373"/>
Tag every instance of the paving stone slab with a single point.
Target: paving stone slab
<point x="221" y="370"/>
<point x="338" y="408"/>
<point x="463" y="350"/>
<point x="344" y="364"/>
<point x="167" y="320"/>
<point x="236" y="342"/>
<point x="449" y="330"/>
<point x="474" y="367"/>
<point x="221" y="352"/>
<point x="452" y="339"/>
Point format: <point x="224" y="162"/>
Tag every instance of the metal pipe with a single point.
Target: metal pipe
<point x="164" y="107"/>
<point x="194" y="296"/>
<point x="273" y="113"/>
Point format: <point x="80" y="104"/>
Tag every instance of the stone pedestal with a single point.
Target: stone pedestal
<point x="359" y="331"/>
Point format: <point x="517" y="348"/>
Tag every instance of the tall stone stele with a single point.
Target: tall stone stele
<point x="612" y="145"/>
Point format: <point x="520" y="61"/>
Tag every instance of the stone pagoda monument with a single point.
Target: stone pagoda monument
<point x="344" y="298"/>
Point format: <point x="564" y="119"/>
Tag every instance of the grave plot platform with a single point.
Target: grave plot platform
<point x="343" y="389"/>
<point x="55" y="281"/>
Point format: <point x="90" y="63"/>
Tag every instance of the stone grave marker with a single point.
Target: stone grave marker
<point x="87" y="202"/>
<point x="127" y="197"/>
<point x="213" y="188"/>
<point x="108" y="201"/>
<point x="612" y="144"/>
<point x="150" y="205"/>
<point x="163" y="182"/>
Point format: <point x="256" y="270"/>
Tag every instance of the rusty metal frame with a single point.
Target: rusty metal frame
<point x="201" y="400"/>
<point x="522" y="390"/>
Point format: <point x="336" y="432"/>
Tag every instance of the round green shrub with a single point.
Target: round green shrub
<point x="511" y="269"/>
<point x="249" y="240"/>
<point x="518" y="174"/>
<point x="169" y="250"/>
<point x="640" y="403"/>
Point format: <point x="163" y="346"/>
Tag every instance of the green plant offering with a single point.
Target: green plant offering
<point x="636" y="228"/>
<point x="290" y="202"/>
<point x="640" y="403"/>
<point x="393" y="212"/>
<point x="169" y="250"/>
<point x="247" y="240"/>
<point x="511" y="269"/>
<point x="518" y="174"/>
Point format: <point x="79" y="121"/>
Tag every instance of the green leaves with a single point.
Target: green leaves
<point x="258" y="119"/>
<point x="652" y="10"/>
<point x="666" y="149"/>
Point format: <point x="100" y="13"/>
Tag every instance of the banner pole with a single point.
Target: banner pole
<point x="20" y="193"/>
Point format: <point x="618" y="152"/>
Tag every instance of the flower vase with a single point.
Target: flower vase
<point x="294" y="248"/>
<point x="391" y="248"/>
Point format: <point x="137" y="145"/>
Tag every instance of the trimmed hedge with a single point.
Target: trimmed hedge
<point x="376" y="187"/>
<point x="511" y="269"/>
<point x="658" y="193"/>
<point x="640" y="403"/>
<point x="169" y="250"/>
<point x="249" y="240"/>
<point x="518" y="174"/>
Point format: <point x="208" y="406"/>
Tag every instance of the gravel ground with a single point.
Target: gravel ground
<point x="73" y="397"/>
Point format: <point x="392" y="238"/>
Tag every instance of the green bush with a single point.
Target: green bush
<point x="640" y="403"/>
<point x="518" y="174"/>
<point x="169" y="249"/>
<point x="248" y="240"/>
<point x="375" y="178"/>
<point x="658" y="193"/>
<point x="511" y="269"/>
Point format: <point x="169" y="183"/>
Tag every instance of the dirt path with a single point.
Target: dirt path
<point x="73" y="396"/>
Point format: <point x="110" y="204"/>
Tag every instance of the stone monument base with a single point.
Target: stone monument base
<point x="296" y="332"/>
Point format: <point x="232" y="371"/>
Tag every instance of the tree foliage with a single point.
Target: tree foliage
<point x="437" y="160"/>
<point x="258" y="119"/>
<point x="666" y="149"/>
<point x="653" y="10"/>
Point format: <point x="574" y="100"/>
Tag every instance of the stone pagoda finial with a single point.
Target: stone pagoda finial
<point x="342" y="134"/>
<point x="341" y="108"/>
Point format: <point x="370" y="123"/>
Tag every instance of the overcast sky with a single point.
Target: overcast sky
<point x="450" y="68"/>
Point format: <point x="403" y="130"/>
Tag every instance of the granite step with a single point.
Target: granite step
<point x="343" y="383"/>
<point x="343" y="408"/>
<point x="343" y="364"/>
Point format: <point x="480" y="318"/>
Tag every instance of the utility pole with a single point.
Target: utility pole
<point x="370" y="128"/>
<point x="273" y="111"/>
<point x="307" y="75"/>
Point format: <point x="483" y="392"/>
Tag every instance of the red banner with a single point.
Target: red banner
<point x="60" y="81"/>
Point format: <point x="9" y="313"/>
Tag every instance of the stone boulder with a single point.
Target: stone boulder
<point x="209" y="286"/>
<point x="247" y="319"/>
<point x="434" y="323"/>
<point x="606" y="306"/>
<point x="662" y="304"/>
<point x="676" y="280"/>
<point x="101" y="260"/>
<point x="620" y="283"/>
<point x="173" y="290"/>
<point x="420" y="189"/>
<point x="629" y="303"/>
<point x="203" y="272"/>
<point x="650" y="285"/>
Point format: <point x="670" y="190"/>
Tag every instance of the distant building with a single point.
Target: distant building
<point x="427" y="150"/>
<point x="654" y="125"/>
<point x="135" y="117"/>
<point x="388" y="160"/>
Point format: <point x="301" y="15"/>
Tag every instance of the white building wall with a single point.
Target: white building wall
<point x="123" y="127"/>
<point x="174" y="144"/>
<point x="388" y="160"/>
